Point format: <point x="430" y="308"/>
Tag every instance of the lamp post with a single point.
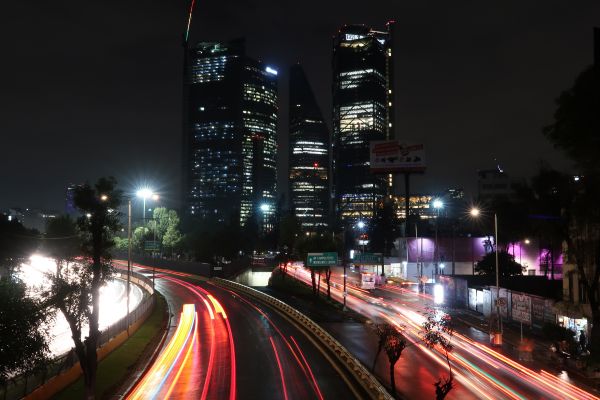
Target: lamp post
<point x="129" y="259"/>
<point x="498" y="337"/>
<point x="145" y="193"/>
<point x="437" y="204"/>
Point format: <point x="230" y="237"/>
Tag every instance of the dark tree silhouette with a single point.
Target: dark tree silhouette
<point x="437" y="332"/>
<point x="77" y="295"/>
<point x="575" y="131"/>
<point x="394" y="346"/>
<point x="382" y="330"/>
<point x="507" y="266"/>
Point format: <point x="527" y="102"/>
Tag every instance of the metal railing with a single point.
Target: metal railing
<point x="23" y="385"/>
<point x="369" y="383"/>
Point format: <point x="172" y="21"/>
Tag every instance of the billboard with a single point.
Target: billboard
<point x="395" y="156"/>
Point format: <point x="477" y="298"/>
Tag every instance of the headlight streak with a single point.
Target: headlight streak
<point x="200" y="292"/>
<point x="543" y="382"/>
<point x="185" y="359"/>
<point x="307" y="371"/>
<point x="285" y="396"/>
<point x="152" y="382"/>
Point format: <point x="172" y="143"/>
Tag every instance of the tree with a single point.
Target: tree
<point x="437" y="332"/>
<point x="577" y="121"/>
<point x="165" y="226"/>
<point x="23" y="329"/>
<point x="507" y="266"/>
<point x="384" y="228"/>
<point x="62" y="241"/>
<point x="575" y="132"/>
<point x="17" y="243"/>
<point x="139" y="237"/>
<point x="316" y="243"/>
<point x="394" y="346"/>
<point x="382" y="330"/>
<point x="77" y="294"/>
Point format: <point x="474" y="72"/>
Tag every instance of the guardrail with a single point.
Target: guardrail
<point x="23" y="385"/>
<point x="369" y="383"/>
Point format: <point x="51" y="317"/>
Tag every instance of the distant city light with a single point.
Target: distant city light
<point x="437" y="203"/>
<point x="576" y="178"/>
<point x="271" y="70"/>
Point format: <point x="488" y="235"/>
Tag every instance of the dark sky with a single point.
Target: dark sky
<point x="94" y="88"/>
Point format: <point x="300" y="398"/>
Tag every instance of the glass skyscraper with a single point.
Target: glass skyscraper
<point x="230" y="142"/>
<point x="363" y="111"/>
<point x="309" y="155"/>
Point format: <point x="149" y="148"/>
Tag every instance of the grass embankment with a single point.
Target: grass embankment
<point x="300" y="296"/>
<point x="114" y="369"/>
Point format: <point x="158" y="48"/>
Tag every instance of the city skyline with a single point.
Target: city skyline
<point x="87" y="111"/>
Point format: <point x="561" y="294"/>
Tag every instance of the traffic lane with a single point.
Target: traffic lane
<point x="510" y="377"/>
<point x="479" y="382"/>
<point x="265" y="341"/>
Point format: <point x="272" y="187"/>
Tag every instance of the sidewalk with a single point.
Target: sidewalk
<point x="542" y="356"/>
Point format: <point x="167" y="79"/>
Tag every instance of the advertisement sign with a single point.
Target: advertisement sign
<point x="394" y="156"/>
<point x="521" y="308"/>
<point x="322" y="259"/>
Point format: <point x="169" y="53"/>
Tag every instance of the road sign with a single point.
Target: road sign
<point x="368" y="259"/>
<point x="151" y="245"/>
<point x="322" y="259"/>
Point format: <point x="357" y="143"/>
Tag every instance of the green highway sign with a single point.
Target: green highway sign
<point x="368" y="258"/>
<point x="322" y="259"/>
<point x="151" y="245"/>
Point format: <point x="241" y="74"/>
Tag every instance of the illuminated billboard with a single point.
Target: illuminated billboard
<point x="394" y="156"/>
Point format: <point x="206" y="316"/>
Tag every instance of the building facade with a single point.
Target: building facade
<point x="309" y="154"/>
<point x="363" y="111"/>
<point x="230" y="141"/>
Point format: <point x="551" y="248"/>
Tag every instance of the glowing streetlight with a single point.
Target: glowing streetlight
<point x="437" y="204"/>
<point x="474" y="212"/>
<point x="146" y="193"/>
<point x="103" y="197"/>
<point x="264" y="207"/>
<point x="360" y="224"/>
<point x="527" y="241"/>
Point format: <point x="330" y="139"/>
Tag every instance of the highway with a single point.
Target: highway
<point x="221" y="345"/>
<point x="480" y="371"/>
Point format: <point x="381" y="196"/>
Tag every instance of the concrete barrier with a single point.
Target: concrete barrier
<point x="369" y="383"/>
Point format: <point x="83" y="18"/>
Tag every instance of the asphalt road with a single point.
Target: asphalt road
<point x="480" y="372"/>
<point x="230" y="347"/>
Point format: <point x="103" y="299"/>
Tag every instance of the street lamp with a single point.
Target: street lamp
<point x="146" y="193"/>
<point x="437" y="204"/>
<point x="475" y="213"/>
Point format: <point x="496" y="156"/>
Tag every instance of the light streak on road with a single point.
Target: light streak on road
<point x="478" y="367"/>
<point x="155" y="377"/>
<point x="284" y="388"/>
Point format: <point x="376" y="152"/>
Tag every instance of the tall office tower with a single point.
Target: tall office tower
<point x="363" y="110"/>
<point x="230" y="135"/>
<point x="309" y="155"/>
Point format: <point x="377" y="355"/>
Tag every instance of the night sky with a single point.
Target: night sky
<point x="94" y="88"/>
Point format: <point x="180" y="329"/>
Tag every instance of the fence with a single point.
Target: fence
<point x="21" y="386"/>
